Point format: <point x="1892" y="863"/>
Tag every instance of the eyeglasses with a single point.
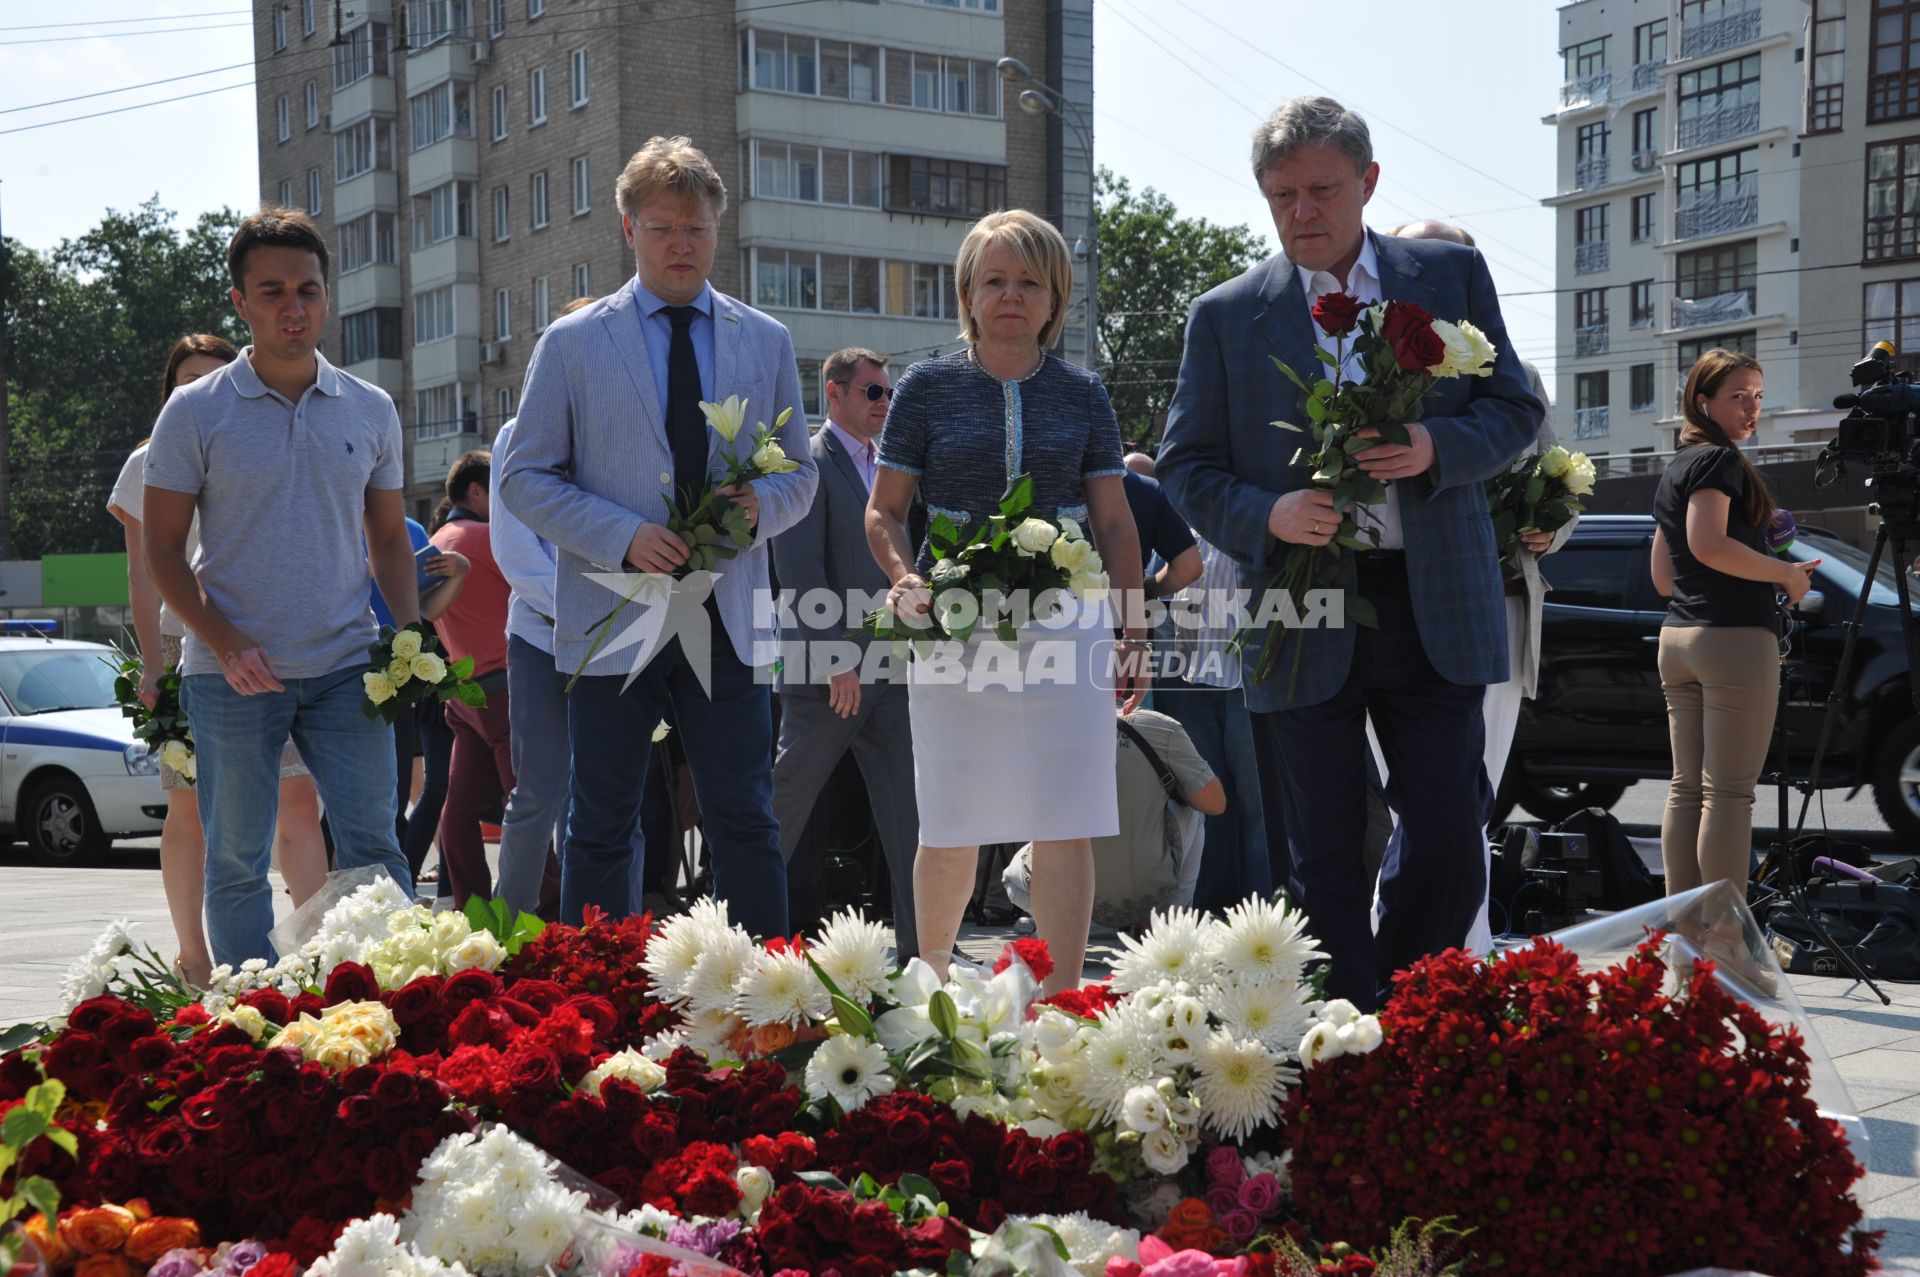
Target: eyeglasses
<point x="873" y="390"/>
<point x="662" y="232"/>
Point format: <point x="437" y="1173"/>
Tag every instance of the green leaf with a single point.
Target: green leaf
<point x="850" y="1015"/>
<point x="1362" y="612"/>
<point x="1291" y="375"/>
<point x="472" y="695"/>
<point x="1287" y="425"/>
<point x="17" y="1036"/>
<point x="1017" y="499"/>
<point x="1316" y="410"/>
<point x="63" y="1139"/>
<point x="821" y="1179"/>
<point x="922" y="1052"/>
<point x="22" y="1126"/>
<point x="944" y="1014"/>
<point x="40" y="1191"/>
<point x="866" y="1186"/>
<point x="826" y="981"/>
<point x="919" y="1186"/>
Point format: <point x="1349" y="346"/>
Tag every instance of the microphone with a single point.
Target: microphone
<point x="1782" y="529"/>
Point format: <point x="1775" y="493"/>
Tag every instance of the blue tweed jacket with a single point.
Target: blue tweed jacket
<point x="1223" y="462"/>
<point x="589" y="461"/>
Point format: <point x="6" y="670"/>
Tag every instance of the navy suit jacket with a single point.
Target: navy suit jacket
<point x="1224" y="462"/>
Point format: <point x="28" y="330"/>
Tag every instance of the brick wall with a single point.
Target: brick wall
<point x="1029" y="154"/>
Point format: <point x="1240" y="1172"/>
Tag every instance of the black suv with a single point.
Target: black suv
<point x="1599" y="721"/>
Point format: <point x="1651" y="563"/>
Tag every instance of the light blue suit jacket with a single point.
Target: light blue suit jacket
<point x="590" y="461"/>
<point x="1223" y="461"/>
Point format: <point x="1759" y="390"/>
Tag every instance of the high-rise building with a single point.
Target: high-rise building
<point x="460" y="157"/>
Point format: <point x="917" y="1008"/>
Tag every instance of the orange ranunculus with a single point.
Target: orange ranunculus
<point x="140" y="1206"/>
<point x="107" y="1264"/>
<point x="768" y="1038"/>
<point x="154" y="1237"/>
<point x="45" y="1236"/>
<point x="97" y="1228"/>
<point x="1191" y="1213"/>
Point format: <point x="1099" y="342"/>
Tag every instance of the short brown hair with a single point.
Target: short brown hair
<point x="208" y="344"/>
<point x="273" y="227"/>
<point x="1041" y="249"/>
<point x="842" y="364"/>
<point x="669" y="166"/>
<point x="577" y="303"/>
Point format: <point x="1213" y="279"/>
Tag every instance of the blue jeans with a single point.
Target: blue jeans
<point x="537" y="809"/>
<point x="1233" y="860"/>
<point x="237" y="741"/>
<point x="728" y="740"/>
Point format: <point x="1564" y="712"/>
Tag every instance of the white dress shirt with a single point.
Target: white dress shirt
<point x="525" y="559"/>
<point x="863" y="453"/>
<point x="1363" y="282"/>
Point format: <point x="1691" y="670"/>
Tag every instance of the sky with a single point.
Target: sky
<point x="1454" y="103"/>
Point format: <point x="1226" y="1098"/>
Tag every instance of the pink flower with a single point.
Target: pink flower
<point x="1241" y="1225"/>
<point x="1261" y="1193"/>
<point x="1162" y="1260"/>
<point x="1224" y="1167"/>
<point x="1221" y="1198"/>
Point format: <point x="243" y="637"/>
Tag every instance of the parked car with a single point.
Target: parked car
<point x="1599" y="722"/>
<point x="72" y="777"/>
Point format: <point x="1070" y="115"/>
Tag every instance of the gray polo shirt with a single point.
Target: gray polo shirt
<point x="282" y="503"/>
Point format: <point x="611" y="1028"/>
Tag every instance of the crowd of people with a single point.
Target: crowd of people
<point x="1231" y="787"/>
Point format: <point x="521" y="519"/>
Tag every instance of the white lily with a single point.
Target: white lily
<point x="726" y="418"/>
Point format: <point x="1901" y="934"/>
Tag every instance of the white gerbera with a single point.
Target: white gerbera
<point x="1177" y="946"/>
<point x="1275" y="1012"/>
<point x="780" y="988"/>
<point x="1121" y="1053"/>
<point x="1261" y="940"/>
<point x="850" y="1069"/>
<point x="853" y="953"/>
<point x="1239" y="1084"/>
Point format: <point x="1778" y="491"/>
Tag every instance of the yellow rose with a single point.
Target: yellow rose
<point x="379" y="686"/>
<point x="1459" y="352"/>
<point x="406" y="645"/>
<point x="1580" y="475"/>
<point x="1484" y="351"/>
<point x="1035" y="535"/>
<point x="247" y="1020"/>
<point x="399" y="670"/>
<point x="771" y="458"/>
<point x="479" y="951"/>
<point x="1554" y="462"/>
<point x="178" y="755"/>
<point x="429" y="668"/>
<point x="1088" y="585"/>
<point x="1073" y="557"/>
<point x="341" y="1054"/>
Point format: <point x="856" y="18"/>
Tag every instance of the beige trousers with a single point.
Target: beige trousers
<point x="1723" y="686"/>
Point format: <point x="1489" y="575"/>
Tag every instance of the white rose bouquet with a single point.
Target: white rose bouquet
<point x="406" y="667"/>
<point x="164" y="727"/>
<point x="1542" y="491"/>
<point x="1010" y="553"/>
<point x="713" y="527"/>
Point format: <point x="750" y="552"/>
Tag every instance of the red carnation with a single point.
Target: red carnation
<point x="1337" y="312"/>
<point x="275" y="1265"/>
<point x="192" y="1015"/>
<point x="1408" y="329"/>
<point x="710" y="1192"/>
<point x="1032" y="951"/>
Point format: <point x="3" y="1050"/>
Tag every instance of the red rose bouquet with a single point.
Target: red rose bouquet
<point x="1398" y="352"/>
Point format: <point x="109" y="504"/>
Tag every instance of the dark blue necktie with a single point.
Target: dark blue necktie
<point x="686" y="426"/>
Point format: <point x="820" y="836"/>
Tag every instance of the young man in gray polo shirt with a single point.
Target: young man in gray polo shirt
<point x="287" y="460"/>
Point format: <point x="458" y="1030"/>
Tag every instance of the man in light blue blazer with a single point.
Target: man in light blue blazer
<point x="609" y="430"/>
<point x="1434" y="583"/>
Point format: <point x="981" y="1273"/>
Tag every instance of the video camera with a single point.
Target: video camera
<point x="1550" y="878"/>
<point x="1880" y="429"/>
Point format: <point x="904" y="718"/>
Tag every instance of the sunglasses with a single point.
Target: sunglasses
<point x="875" y="392"/>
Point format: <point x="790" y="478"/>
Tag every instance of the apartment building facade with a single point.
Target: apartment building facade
<point x="460" y="156"/>
<point x="1680" y="206"/>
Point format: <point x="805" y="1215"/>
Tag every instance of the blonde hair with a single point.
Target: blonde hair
<point x="669" y="166"/>
<point x="1042" y="251"/>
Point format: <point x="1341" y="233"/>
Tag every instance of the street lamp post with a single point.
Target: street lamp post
<point x="1043" y="99"/>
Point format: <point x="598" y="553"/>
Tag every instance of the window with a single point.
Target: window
<point x="535" y="8"/>
<point x="1586" y="58"/>
<point x="1646" y="137"/>
<point x="1593" y="574"/>
<point x="1893" y="71"/>
<point x="1643" y="218"/>
<point x="956" y="86"/>
<point x="933" y="295"/>
<point x="286" y="192"/>
<point x="313" y="104"/>
<point x="1589" y="412"/>
<point x="1590" y="308"/>
<point x="433" y="315"/>
<point x="442" y="213"/>
<point x="542" y="305"/>
<point x="502" y="314"/>
<point x="849" y="71"/>
<point x="444" y="111"/>
<point x="362" y="148"/>
<point x="499" y="112"/>
<point x="951" y="188"/>
<point x="1650" y="43"/>
<point x="537" y="96"/>
<point x="785" y="63"/>
<point x="431" y="21"/>
<point x="582" y="280"/>
<point x="539" y="201"/>
<point x="502" y="226"/>
<point x="313" y="191"/>
<point x="1718" y="102"/>
<point x="1716" y="194"/>
<point x="1893" y="200"/>
<point x="1590" y="224"/>
<point x="306" y="17"/>
<point x="496" y="19"/>
<point x="503" y="404"/>
<point x="1640" y="388"/>
<point x="1891" y="309"/>
<point x="1715" y="273"/>
<point x="1640" y="304"/>
<point x="1591" y="141"/>
<point x="279" y="28"/>
<point x="785" y="279"/>
<point x="370" y="334"/>
<point x="1690" y="351"/>
<point x="361" y="52"/>
<point x="441" y="411"/>
<point x="579" y="77"/>
<point x="368" y="241"/>
<point x="582" y="186"/>
<point x="1827" y="66"/>
<point x="283" y="118"/>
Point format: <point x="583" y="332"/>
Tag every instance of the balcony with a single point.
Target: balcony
<point x="1591" y="258"/>
<point x="1590" y="339"/>
<point x="1703" y="39"/>
<point x="1714" y="210"/>
<point x="1646" y="76"/>
<point x="1718" y="125"/>
<point x="1590" y="171"/>
<point x="1588" y="90"/>
<point x="1721" y="308"/>
<point x="1640" y="318"/>
<point x="1646" y="161"/>
<point x="1591" y="423"/>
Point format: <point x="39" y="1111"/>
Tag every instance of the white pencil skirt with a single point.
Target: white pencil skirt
<point x="1016" y="743"/>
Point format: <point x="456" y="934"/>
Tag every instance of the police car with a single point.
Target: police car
<point x="72" y="777"/>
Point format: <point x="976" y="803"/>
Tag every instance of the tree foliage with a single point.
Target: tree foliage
<point x="1153" y="263"/>
<point x="88" y="329"/>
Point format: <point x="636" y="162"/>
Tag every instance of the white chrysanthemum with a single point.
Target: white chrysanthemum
<point x="675" y="947"/>
<point x="853" y="953"/>
<point x="661" y="1046"/>
<point x="648" y="1221"/>
<point x="1177" y="946"/>
<point x="366" y="1246"/>
<point x="1261" y="940"/>
<point x="1239" y="1084"/>
<point x="544" y="1225"/>
<point x="725" y="958"/>
<point x="1090" y="1242"/>
<point x="710" y="1031"/>
<point x="1121" y="1053"/>
<point x="1275" y="1012"/>
<point x="850" y="1069"/>
<point x="86" y="978"/>
<point x="780" y="988"/>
